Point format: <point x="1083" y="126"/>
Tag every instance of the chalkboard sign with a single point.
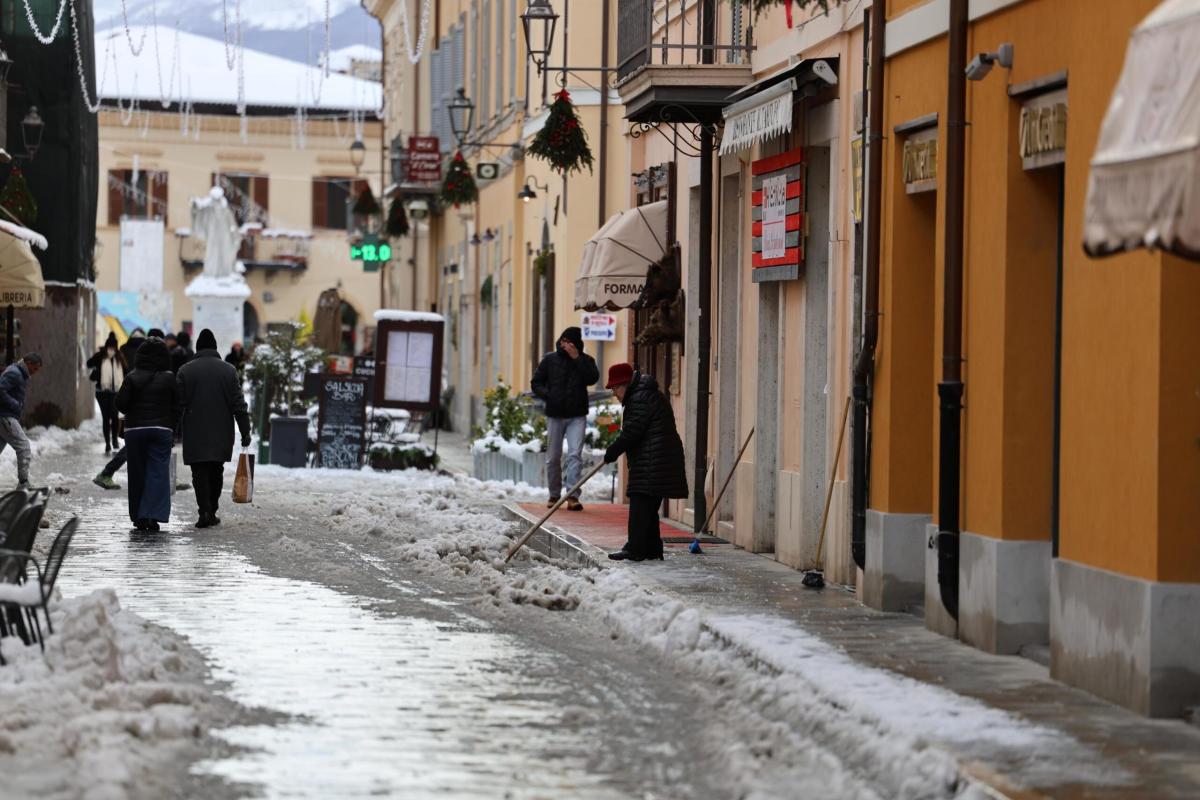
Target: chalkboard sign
<point x="342" y="422"/>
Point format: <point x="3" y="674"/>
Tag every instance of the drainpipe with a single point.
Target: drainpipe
<point x="864" y="368"/>
<point x="950" y="390"/>
<point x="704" y="287"/>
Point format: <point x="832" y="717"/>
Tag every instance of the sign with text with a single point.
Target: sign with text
<point x="371" y="250"/>
<point x="599" y="327"/>
<point x="408" y="364"/>
<point x="341" y="422"/>
<point x="364" y="367"/>
<point x="778" y="218"/>
<point x="774" y="216"/>
<point x="424" y="159"/>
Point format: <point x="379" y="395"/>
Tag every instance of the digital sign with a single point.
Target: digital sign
<point x="369" y="251"/>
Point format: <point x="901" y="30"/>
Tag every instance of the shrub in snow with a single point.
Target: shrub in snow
<point x="603" y="425"/>
<point x="510" y="423"/>
<point x="407" y="456"/>
<point x="276" y="370"/>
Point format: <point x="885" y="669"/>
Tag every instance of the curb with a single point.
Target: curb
<point x="553" y="542"/>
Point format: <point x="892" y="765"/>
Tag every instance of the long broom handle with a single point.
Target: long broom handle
<point x="724" y="486"/>
<point x="832" y="476"/>
<point x="570" y="493"/>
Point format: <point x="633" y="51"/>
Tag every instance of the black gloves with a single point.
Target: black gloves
<point x="245" y="441"/>
<point x="610" y="457"/>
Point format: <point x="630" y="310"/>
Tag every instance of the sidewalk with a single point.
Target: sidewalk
<point x="453" y="449"/>
<point x="1110" y="752"/>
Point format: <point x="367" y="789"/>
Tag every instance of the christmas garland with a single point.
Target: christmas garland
<point x="562" y="141"/>
<point x="365" y="204"/>
<point x="17" y="199"/>
<point x="397" y="221"/>
<point x="759" y="6"/>
<point x="459" y="187"/>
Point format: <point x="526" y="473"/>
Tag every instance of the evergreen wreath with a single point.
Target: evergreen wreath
<point x="365" y="204"/>
<point x="562" y="141"/>
<point x="17" y="199"/>
<point x="397" y="220"/>
<point x="459" y="187"/>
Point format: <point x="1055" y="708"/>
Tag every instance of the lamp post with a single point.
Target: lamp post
<point x="31" y="131"/>
<point x="527" y="192"/>
<point x="358" y="155"/>
<point x="462" y="116"/>
<point x="5" y="65"/>
<point x="538" y="22"/>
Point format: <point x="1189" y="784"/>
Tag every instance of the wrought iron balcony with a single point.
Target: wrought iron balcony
<point x="667" y="70"/>
<point x="263" y="249"/>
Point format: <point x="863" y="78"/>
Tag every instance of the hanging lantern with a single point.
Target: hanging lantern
<point x="538" y="22"/>
<point x="32" y="128"/>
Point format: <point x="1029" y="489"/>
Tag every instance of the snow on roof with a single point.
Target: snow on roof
<point x="208" y="286"/>
<point x="396" y="315"/>
<point x="340" y="60"/>
<point x="24" y="234"/>
<point x="204" y="78"/>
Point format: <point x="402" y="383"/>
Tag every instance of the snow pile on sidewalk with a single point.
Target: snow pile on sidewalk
<point x="113" y="702"/>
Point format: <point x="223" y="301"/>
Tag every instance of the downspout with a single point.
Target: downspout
<point x="950" y="390"/>
<point x="704" y="286"/>
<point x="864" y="369"/>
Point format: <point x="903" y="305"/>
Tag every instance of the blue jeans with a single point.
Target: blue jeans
<point x="149" y="451"/>
<point x="573" y="428"/>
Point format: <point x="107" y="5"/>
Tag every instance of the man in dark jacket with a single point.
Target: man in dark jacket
<point x="236" y="356"/>
<point x="149" y="399"/>
<point x="654" y="457"/>
<point x="212" y="401"/>
<point x="182" y="353"/>
<point x="562" y="381"/>
<point x="130" y="348"/>
<point x="13" y="384"/>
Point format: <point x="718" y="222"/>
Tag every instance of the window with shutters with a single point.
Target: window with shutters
<point x="143" y="198"/>
<point x="512" y="52"/>
<point x="248" y="195"/>
<point x="475" y="53"/>
<point x="499" y="62"/>
<point x="438" y="92"/>
<point x="331" y="199"/>
<point x="485" y="55"/>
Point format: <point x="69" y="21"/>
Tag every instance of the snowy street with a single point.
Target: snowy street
<point x="357" y="635"/>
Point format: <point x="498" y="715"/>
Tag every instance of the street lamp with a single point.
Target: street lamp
<point x="538" y="21"/>
<point x="358" y="155"/>
<point x="527" y="192"/>
<point x="5" y="65"/>
<point x="31" y="131"/>
<point x="462" y="115"/>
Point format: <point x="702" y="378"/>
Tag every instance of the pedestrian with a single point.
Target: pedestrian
<point x="108" y="372"/>
<point x="561" y="381"/>
<point x="149" y="399"/>
<point x="13" y="384"/>
<point x="105" y="479"/>
<point x="653" y="455"/>
<point x="129" y="349"/>
<point x="212" y="402"/>
<point x="236" y="355"/>
<point x="182" y="352"/>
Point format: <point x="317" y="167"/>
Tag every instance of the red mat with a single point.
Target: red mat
<point x="601" y="524"/>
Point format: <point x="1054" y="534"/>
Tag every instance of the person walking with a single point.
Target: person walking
<point x="13" y="384"/>
<point x="105" y="479"/>
<point x="561" y="381"/>
<point x="212" y="402"/>
<point x="130" y="348"/>
<point x="149" y="399"/>
<point x="654" y="457"/>
<point x="182" y="352"/>
<point x="108" y="372"/>
<point x="236" y="355"/>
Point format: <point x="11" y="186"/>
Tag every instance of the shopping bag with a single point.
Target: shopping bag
<point x="243" y="482"/>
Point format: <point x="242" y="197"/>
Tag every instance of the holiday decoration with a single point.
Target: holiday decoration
<point x="562" y="140"/>
<point x="760" y="6"/>
<point x="459" y="186"/>
<point x="17" y="200"/>
<point x="365" y="204"/>
<point x="397" y="221"/>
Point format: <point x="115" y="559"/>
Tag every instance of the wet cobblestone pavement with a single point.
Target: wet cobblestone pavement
<point x="387" y="683"/>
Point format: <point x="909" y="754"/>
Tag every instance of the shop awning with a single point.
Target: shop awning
<point x="1144" y="188"/>
<point x="764" y="108"/>
<point x="21" y="283"/>
<point x="616" y="259"/>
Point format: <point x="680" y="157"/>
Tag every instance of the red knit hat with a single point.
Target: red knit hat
<point x="619" y="374"/>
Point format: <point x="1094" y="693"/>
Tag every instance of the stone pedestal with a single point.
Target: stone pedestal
<point x="218" y="304"/>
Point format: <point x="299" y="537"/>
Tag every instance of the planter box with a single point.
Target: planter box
<point x="531" y="469"/>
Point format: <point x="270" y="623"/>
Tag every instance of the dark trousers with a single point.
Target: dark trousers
<point x="207" y="477"/>
<point x="117" y="462"/>
<point x="644" y="538"/>
<point x="108" y="417"/>
<point x="149" y="452"/>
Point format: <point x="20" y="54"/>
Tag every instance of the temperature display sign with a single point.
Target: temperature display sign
<point x="371" y="250"/>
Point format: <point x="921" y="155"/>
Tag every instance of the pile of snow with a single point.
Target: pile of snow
<point x="114" y="702"/>
<point x="396" y="315"/>
<point x="210" y="286"/>
<point x="24" y="234"/>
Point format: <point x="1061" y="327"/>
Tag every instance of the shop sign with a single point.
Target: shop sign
<point x="760" y="116"/>
<point x="599" y="327"/>
<point x="920" y="161"/>
<point x="1043" y="130"/>
<point x="424" y="159"/>
<point x="778" y="231"/>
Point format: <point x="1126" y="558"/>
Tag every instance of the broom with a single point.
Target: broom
<point x="573" y="491"/>
<point x="815" y="578"/>
<point x="694" y="547"/>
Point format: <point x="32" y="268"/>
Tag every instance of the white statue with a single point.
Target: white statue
<point x="214" y="223"/>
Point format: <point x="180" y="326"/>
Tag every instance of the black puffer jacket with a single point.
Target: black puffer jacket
<point x="149" y="397"/>
<point x="562" y="382"/>
<point x="650" y="441"/>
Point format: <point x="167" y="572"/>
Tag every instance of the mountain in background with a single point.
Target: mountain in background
<point x="293" y="29"/>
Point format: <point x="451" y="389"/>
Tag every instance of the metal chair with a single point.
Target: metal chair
<point x="31" y="596"/>
<point x="11" y="505"/>
<point x="18" y="544"/>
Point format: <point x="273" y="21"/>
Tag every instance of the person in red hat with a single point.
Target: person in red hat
<point x="654" y="456"/>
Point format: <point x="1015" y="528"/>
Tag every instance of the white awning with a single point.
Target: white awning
<point x="612" y="272"/>
<point x="760" y="116"/>
<point x="21" y="283"/>
<point x="1144" y="187"/>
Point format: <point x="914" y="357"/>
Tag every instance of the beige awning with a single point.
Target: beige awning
<point x="616" y="259"/>
<point x="1144" y="187"/>
<point x="21" y="283"/>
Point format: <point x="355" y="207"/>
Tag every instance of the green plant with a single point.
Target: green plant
<point x="383" y="457"/>
<point x="562" y="141"/>
<point x="17" y="200"/>
<point x="485" y="291"/>
<point x="509" y="418"/>
<point x="541" y="262"/>
<point x="459" y="185"/>
<point x="277" y="367"/>
<point x="397" y="220"/>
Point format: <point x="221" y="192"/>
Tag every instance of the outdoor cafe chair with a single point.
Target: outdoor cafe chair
<point x="18" y="544"/>
<point x="11" y="505"/>
<point x="31" y="595"/>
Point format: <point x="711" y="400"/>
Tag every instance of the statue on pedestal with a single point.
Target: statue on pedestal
<point x="218" y="295"/>
<point x="214" y="223"/>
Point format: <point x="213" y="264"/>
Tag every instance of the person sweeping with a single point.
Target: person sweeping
<point x="654" y="456"/>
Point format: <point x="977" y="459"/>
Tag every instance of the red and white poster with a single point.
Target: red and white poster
<point x="778" y="232"/>
<point x="424" y="159"/>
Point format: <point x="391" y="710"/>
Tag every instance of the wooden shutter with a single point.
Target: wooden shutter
<point x="320" y="213"/>
<point x="158" y="195"/>
<point x="259" y="191"/>
<point x="116" y="200"/>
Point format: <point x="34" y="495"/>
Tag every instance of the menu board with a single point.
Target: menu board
<point x="342" y="422"/>
<point x="408" y="365"/>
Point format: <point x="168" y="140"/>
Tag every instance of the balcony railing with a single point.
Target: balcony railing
<point x="670" y="33"/>
<point x="261" y="249"/>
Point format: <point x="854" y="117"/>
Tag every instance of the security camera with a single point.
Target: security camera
<point x="982" y="64"/>
<point x="418" y="209"/>
<point x="825" y="72"/>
